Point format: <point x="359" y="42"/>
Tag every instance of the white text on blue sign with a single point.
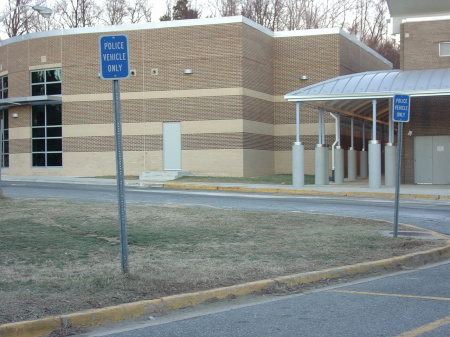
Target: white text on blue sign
<point x="114" y="57"/>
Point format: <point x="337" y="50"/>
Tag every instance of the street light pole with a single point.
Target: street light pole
<point x="44" y="11"/>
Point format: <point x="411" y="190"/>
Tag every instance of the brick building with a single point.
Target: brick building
<point x="425" y="44"/>
<point x="424" y="29"/>
<point x="206" y="96"/>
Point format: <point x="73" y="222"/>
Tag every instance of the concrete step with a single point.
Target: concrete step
<point x="163" y="175"/>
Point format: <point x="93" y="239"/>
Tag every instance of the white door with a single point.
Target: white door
<point x="172" y="146"/>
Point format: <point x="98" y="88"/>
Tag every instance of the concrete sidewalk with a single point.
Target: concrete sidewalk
<point x="357" y="188"/>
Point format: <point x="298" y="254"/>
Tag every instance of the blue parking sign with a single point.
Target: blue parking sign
<point x="401" y="108"/>
<point x="114" y="58"/>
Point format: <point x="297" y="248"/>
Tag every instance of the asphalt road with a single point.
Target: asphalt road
<point x="429" y="214"/>
<point x="405" y="304"/>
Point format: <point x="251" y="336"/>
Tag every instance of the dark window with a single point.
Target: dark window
<point x="3" y="87"/>
<point x="4" y="139"/>
<point x="46" y="82"/>
<point x="46" y="142"/>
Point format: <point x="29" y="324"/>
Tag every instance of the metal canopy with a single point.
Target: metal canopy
<point x="29" y="100"/>
<point x="353" y="94"/>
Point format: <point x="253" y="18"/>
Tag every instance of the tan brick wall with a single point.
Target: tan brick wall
<point x="315" y="56"/>
<point x="354" y="59"/>
<point x="257" y="58"/>
<point x="239" y="77"/>
<point x="214" y="52"/>
<point x="421" y="49"/>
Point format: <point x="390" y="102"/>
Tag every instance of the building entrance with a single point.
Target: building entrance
<point x="172" y="146"/>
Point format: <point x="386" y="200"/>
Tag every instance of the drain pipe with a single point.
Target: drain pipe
<point x="333" y="147"/>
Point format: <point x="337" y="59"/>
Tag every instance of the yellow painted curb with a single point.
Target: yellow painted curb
<point x="34" y="328"/>
<point x="190" y="187"/>
<point x="122" y="312"/>
<point x="306" y="192"/>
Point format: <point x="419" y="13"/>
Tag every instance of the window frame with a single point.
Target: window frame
<point x="4" y="141"/>
<point x="43" y="136"/>
<point x="45" y="83"/>
<point x="3" y="87"/>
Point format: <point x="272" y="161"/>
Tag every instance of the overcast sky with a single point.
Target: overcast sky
<point x="159" y="7"/>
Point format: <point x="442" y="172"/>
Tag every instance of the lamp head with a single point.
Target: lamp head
<point x="44" y="11"/>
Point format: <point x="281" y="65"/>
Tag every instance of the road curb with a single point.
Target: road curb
<point x="305" y="192"/>
<point x="122" y="312"/>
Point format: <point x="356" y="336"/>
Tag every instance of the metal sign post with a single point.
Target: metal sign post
<point x="400" y="115"/>
<point x="115" y="65"/>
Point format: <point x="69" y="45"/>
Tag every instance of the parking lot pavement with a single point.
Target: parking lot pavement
<point x="404" y="304"/>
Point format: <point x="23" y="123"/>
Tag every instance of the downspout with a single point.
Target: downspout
<point x="352" y="145"/>
<point x="336" y="142"/>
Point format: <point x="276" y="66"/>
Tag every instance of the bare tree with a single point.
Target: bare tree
<point x="115" y="11"/>
<point x="139" y="11"/>
<point x="267" y="13"/>
<point x="118" y="12"/>
<point x="77" y="13"/>
<point x="168" y="14"/>
<point x="23" y="20"/>
<point x="181" y="11"/>
<point x="226" y="7"/>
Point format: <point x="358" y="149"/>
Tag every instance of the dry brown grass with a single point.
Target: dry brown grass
<point x="60" y="257"/>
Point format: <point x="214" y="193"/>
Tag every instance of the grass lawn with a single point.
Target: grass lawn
<point x="61" y="257"/>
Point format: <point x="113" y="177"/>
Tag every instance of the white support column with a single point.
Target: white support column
<point x="339" y="165"/>
<point x="351" y="155"/>
<point x="298" y="171"/>
<point x="374" y="152"/>
<point x="363" y="157"/>
<point x="390" y="153"/>
<point x="321" y="161"/>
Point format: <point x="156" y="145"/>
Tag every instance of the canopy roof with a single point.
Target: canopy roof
<point x="353" y="94"/>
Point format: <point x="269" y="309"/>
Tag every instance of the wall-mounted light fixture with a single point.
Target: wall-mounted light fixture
<point x="14" y="115"/>
<point x="304" y="77"/>
<point x="188" y="71"/>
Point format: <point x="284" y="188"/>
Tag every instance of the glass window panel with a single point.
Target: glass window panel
<point x="38" y="132"/>
<point x="38" y="90"/>
<point x="38" y="145"/>
<point x="54" y="114"/>
<point x="54" y="89"/>
<point x="46" y="145"/>
<point x="5" y="82"/>
<point x="54" y="132"/>
<point x="5" y="134"/>
<point x="54" y="159"/>
<point x="6" y="160"/>
<point x="38" y="159"/>
<point x="54" y="145"/>
<point x="38" y="76"/>
<point x="6" y="147"/>
<point x="5" y="119"/>
<point x="5" y="93"/>
<point x="54" y="75"/>
<point x="38" y="115"/>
